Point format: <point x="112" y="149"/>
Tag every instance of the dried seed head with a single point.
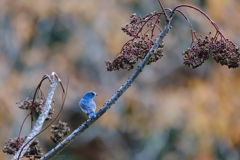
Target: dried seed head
<point x="197" y="54"/>
<point x="13" y="145"/>
<point x="226" y="53"/>
<point x="131" y="54"/>
<point x="138" y="47"/>
<point x="223" y="51"/>
<point x="38" y="106"/>
<point x="59" y="131"/>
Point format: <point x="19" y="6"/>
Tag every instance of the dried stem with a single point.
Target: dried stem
<point x="199" y="10"/>
<point x="167" y="19"/>
<point x="38" y="87"/>
<point x="22" y="125"/>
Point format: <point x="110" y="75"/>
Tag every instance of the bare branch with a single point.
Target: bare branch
<point x="40" y="121"/>
<point x="112" y="100"/>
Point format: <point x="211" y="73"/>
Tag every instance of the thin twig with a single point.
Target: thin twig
<point x="112" y="100"/>
<point x="166" y="17"/>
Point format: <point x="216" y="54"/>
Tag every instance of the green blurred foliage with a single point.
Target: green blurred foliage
<point x="171" y="112"/>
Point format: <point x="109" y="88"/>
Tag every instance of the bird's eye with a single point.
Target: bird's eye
<point x="93" y="94"/>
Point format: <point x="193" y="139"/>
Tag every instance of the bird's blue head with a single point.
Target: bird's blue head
<point x="89" y="95"/>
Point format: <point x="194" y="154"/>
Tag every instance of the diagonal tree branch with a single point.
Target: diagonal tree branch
<point x="112" y="100"/>
<point x="40" y="121"/>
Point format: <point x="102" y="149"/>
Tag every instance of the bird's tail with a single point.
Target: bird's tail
<point x="92" y="114"/>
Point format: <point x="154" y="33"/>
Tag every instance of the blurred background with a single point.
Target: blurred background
<point x="171" y="112"/>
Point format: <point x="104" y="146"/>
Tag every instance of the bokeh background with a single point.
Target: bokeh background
<point x="171" y="112"/>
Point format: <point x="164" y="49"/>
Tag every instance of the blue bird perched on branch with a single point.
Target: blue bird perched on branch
<point x="88" y="105"/>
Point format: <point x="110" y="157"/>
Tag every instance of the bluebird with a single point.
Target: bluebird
<point x="88" y="105"/>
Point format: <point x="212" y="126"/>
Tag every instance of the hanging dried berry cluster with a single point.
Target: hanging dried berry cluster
<point x="50" y="114"/>
<point x="38" y="106"/>
<point x="223" y="51"/>
<point x="196" y="55"/>
<point x="141" y="43"/>
<point x="59" y="131"/>
<point x="129" y="57"/>
<point x="27" y="104"/>
<point x="34" y="149"/>
<point x="13" y="145"/>
<point x="226" y="53"/>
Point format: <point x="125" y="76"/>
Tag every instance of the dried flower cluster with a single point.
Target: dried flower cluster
<point x="129" y="57"/>
<point x="27" y="104"/>
<point x="50" y="114"/>
<point x="34" y="149"/>
<point x="138" y="47"/>
<point x="38" y="106"/>
<point x="223" y="51"/>
<point x="226" y="53"/>
<point x="196" y="55"/>
<point x="59" y="131"/>
<point x="13" y="145"/>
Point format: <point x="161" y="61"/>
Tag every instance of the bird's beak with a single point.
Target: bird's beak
<point x="96" y="94"/>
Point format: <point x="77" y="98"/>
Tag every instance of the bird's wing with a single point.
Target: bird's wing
<point x="93" y="106"/>
<point x="88" y="107"/>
